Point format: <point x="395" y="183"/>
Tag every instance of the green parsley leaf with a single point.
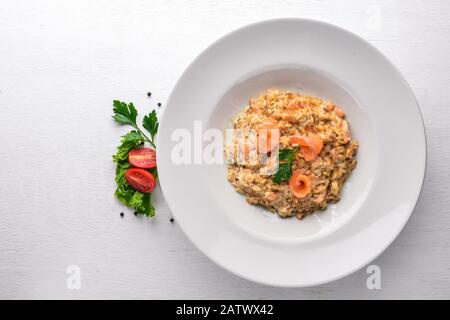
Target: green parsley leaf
<point x="285" y="157"/>
<point x="151" y="123"/>
<point x="124" y="113"/>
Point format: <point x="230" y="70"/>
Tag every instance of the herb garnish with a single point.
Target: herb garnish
<point x="127" y="114"/>
<point x="285" y="157"/>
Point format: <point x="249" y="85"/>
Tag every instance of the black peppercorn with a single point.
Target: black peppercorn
<point x="149" y="94"/>
<point x="121" y="214"/>
<point x="159" y="104"/>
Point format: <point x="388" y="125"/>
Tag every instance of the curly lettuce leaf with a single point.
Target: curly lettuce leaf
<point x="131" y="140"/>
<point x="140" y="202"/>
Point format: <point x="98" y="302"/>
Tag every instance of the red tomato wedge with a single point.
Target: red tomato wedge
<point x="142" y="158"/>
<point x="140" y="180"/>
<point x="299" y="184"/>
<point x="310" y="146"/>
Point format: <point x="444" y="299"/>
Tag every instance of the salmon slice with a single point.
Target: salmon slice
<point x="299" y="184"/>
<point x="310" y="146"/>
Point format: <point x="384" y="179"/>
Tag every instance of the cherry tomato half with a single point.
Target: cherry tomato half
<point x="140" y="180"/>
<point x="142" y="158"/>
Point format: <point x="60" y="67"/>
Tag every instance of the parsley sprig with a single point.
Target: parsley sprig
<point x="151" y="123"/>
<point x="285" y="158"/>
<point x="127" y="114"/>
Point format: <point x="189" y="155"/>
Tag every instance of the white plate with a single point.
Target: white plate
<point x="320" y="59"/>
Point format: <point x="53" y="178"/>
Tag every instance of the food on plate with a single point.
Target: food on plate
<point x="310" y="146"/>
<point x="136" y="172"/>
<point x="313" y="146"/>
<point x="299" y="184"/>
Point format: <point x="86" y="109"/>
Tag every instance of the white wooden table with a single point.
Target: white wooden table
<point x="61" y="65"/>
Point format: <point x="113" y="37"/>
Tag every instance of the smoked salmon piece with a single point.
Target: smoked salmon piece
<point x="310" y="147"/>
<point x="299" y="184"/>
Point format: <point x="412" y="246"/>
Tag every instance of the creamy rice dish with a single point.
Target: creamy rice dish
<point x="309" y="148"/>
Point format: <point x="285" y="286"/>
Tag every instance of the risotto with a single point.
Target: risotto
<point x="314" y="149"/>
